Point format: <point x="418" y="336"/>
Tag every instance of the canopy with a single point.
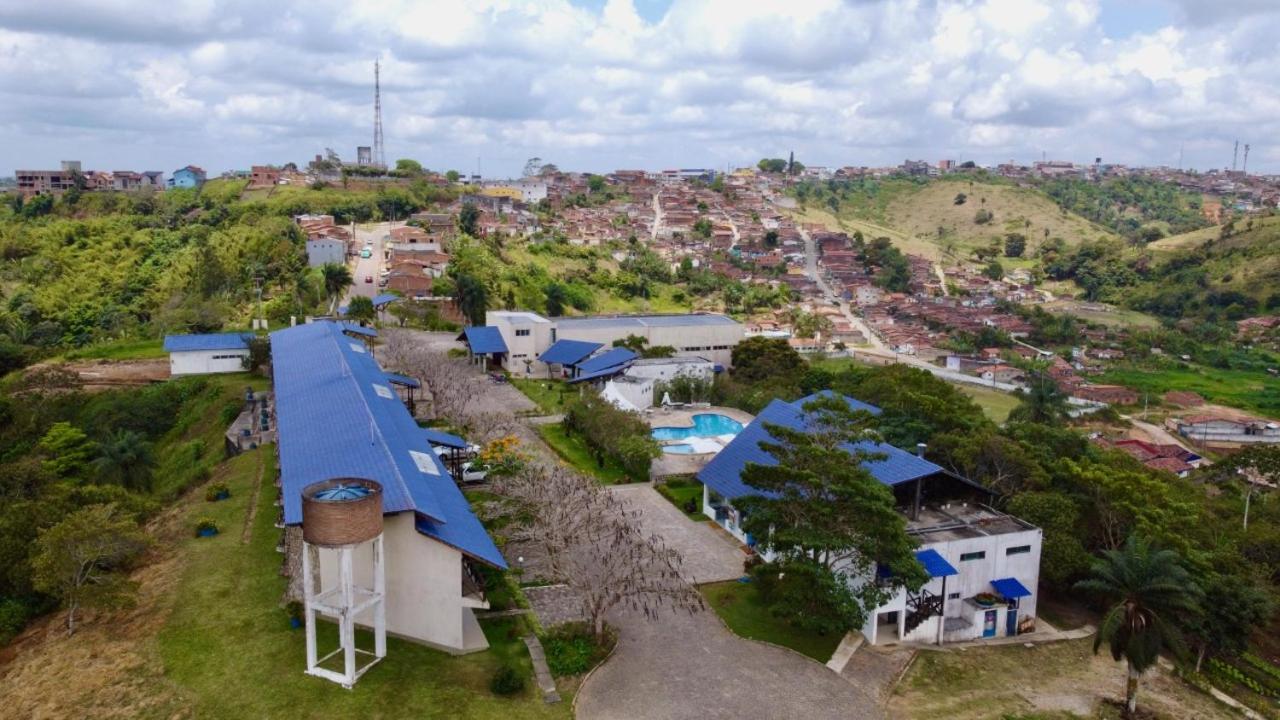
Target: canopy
<point x="1010" y="588"/>
<point x="936" y="565"/>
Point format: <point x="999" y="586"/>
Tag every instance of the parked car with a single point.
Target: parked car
<point x="368" y="278"/>
<point x="474" y="473"/>
<point x="366" y="253"/>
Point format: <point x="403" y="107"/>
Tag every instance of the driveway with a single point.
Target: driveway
<point x="685" y="665"/>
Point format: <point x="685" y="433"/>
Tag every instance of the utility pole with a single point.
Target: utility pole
<point x="1235" y="154"/>
<point x="1245" y="167"/>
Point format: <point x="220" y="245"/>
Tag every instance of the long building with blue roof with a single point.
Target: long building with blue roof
<point x="983" y="565"/>
<point x="337" y="416"/>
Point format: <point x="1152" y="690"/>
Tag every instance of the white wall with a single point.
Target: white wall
<point x="204" y="362"/>
<point x="424" y="584"/>
<point x="667" y="371"/>
<point x="320" y="252"/>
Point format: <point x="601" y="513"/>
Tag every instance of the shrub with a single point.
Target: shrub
<point x="13" y="616"/>
<point x="217" y="491"/>
<point x="572" y="649"/>
<point x="507" y="681"/>
<point x="206" y="526"/>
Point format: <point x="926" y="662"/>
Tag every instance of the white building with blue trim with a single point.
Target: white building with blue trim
<point x="983" y="565"/>
<point x="338" y="416"/>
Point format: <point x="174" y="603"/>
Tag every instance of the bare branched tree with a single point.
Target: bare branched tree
<point x="451" y="384"/>
<point x="593" y="543"/>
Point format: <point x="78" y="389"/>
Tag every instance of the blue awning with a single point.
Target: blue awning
<point x="355" y="329"/>
<point x="484" y="340"/>
<point x="1010" y="588"/>
<point x="384" y="300"/>
<point x="404" y="380"/>
<point x="611" y="358"/>
<point x="605" y="373"/>
<point x="936" y="565"/>
<point x="444" y="439"/>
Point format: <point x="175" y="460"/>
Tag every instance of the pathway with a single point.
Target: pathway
<point x="541" y="673"/>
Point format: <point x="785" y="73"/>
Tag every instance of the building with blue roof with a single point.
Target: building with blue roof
<point x="337" y="416"/>
<point x="983" y="565"/>
<point x="484" y="343"/>
<point x="568" y="353"/>
<point x="207" y="353"/>
<point x="529" y="337"/>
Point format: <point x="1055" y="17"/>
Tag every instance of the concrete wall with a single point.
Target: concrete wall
<point x="424" y="584"/>
<point x="320" y="252"/>
<point x="666" y="371"/>
<point x="204" y="362"/>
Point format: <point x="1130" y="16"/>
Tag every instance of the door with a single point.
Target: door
<point x="989" y="624"/>
<point x="1011" y="623"/>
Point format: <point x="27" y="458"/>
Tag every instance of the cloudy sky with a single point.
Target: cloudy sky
<point x="603" y="84"/>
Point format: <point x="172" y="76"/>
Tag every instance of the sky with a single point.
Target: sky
<point x="596" y="85"/>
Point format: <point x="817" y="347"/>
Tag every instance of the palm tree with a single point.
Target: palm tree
<point x="125" y="458"/>
<point x="337" y="278"/>
<point x="1150" y="591"/>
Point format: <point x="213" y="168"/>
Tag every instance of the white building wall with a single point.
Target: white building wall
<point x="204" y="362"/>
<point x="665" y="371"/>
<point x="423" y="582"/>
<point x="321" y="252"/>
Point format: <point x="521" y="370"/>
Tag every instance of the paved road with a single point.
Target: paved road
<point x="685" y="665"/>
<point x="373" y="237"/>
<point x="811" y="269"/>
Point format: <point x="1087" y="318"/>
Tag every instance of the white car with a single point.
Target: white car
<point x="472" y="472"/>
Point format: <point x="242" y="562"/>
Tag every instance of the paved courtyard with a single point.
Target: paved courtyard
<point x="708" y="555"/>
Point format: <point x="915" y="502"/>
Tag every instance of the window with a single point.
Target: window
<point x="1018" y="550"/>
<point x="953" y="596"/>
<point x="522" y="333"/>
<point x="966" y="557"/>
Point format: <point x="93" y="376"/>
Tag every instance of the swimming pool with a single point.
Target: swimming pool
<point x="704" y="425"/>
<point x="678" y="449"/>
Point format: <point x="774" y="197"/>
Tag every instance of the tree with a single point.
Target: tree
<point x="408" y="166"/>
<point x="1015" y="244"/>
<point x="823" y="513"/>
<point x="337" y="278"/>
<point x="1150" y="592"/>
<point x="67" y="450"/>
<point x="760" y="358"/>
<point x="591" y="540"/>
<point x="125" y="459"/>
<point x="361" y="309"/>
<point x="983" y="216"/>
<point x="81" y="560"/>
<point x="994" y="270"/>
<point x="960" y="199"/>
<point x="772" y="165"/>
<point x="468" y="218"/>
<point x="259" y="354"/>
<point x="1237" y="606"/>
<point x="1042" y="402"/>
<point x="452" y="176"/>
<point x="596" y="184"/>
<point x="472" y="298"/>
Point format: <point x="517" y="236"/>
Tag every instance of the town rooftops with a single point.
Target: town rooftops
<point x="338" y="417"/>
<point x="724" y="473"/>
<point x="214" y="341"/>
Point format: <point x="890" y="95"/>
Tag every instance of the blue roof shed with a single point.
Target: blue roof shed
<point x="608" y="359"/>
<point x="568" y="352"/>
<point x="484" y="340"/>
<point x="213" y="341"/>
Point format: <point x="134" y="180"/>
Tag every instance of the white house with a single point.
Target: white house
<point x="1219" y="429"/>
<point x="984" y="565"/>
<point x="338" y="417"/>
<point x="325" y="250"/>
<point x="527" y="336"/>
<point x="205" y="354"/>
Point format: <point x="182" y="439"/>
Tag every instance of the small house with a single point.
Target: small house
<point x="206" y="354"/>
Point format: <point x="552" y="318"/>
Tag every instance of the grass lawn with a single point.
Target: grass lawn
<point x="548" y="395"/>
<point x="738" y="605"/>
<point x="680" y="491"/>
<point x="573" y="451"/>
<point x="1250" y="391"/>
<point x="229" y="649"/>
<point x="121" y="350"/>
<point x="995" y="404"/>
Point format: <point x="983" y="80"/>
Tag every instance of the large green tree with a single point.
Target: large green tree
<point x="361" y="309"/>
<point x="1150" y="593"/>
<point x="821" y="511"/>
<point x="471" y="298"/>
<point x="760" y="358"/>
<point x="125" y="458"/>
<point x="337" y="278"/>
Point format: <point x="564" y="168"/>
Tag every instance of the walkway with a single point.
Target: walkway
<point x="685" y="665"/>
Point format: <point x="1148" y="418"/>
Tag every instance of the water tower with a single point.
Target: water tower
<point x="341" y="517"/>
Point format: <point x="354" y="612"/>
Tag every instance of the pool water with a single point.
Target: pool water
<point x="681" y="449"/>
<point x="704" y="425"/>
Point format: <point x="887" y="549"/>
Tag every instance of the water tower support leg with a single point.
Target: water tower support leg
<point x="346" y="628"/>
<point x="380" y="609"/>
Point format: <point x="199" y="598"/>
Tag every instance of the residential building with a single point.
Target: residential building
<point x="983" y="565"/>
<point x="1210" y="428"/>
<point x="338" y="417"/>
<point x="528" y="335"/>
<point x="187" y="177"/>
<point x="37" y="182"/>
<point x="205" y="354"/>
<point x="325" y="250"/>
<point x="263" y="176"/>
<point x="665" y="369"/>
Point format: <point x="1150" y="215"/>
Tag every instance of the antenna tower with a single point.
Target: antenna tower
<point x="1235" y="155"/>
<point x="379" y="154"/>
<point x="1245" y="167"/>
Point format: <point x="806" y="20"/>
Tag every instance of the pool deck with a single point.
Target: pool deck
<point x="658" y="416"/>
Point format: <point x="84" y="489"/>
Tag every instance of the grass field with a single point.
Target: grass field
<point x="229" y="648"/>
<point x="1249" y="391"/>
<point x="120" y="350"/>
<point x="1115" y="317"/>
<point x="548" y="395"/>
<point x="574" y="452"/>
<point x="996" y="405"/>
<point x="738" y="605"/>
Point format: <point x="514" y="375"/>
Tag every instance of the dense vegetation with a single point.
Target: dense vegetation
<point x="1130" y="205"/>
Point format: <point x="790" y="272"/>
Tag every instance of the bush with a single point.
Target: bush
<point x="572" y="649"/>
<point x="217" y="491"/>
<point x="507" y="681"/>
<point x="13" y="616"/>
<point x="206" y="526"/>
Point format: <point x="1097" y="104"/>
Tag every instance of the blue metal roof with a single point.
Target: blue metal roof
<point x="853" y="403"/>
<point x="355" y="329"/>
<point x="337" y="417"/>
<point x="385" y="299"/>
<point x="607" y="372"/>
<point x="724" y="473"/>
<point x="936" y="565"/>
<point x="568" y="352"/>
<point x="643" y="321"/>
<point x="436" y="437"/>
<point x="404" y="380"/>
<point x="1010" y="588"/>
<point x="484" y="340"/>
<point x="214" y="341"/>
<point x="609" y="358"/>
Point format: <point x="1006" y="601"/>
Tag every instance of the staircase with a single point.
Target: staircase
<point x="920" y="607"/>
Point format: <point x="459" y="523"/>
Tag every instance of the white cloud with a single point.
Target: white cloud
<point x="232" y="82"/>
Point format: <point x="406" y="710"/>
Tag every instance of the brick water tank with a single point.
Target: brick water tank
<point x="341" y="511"/>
